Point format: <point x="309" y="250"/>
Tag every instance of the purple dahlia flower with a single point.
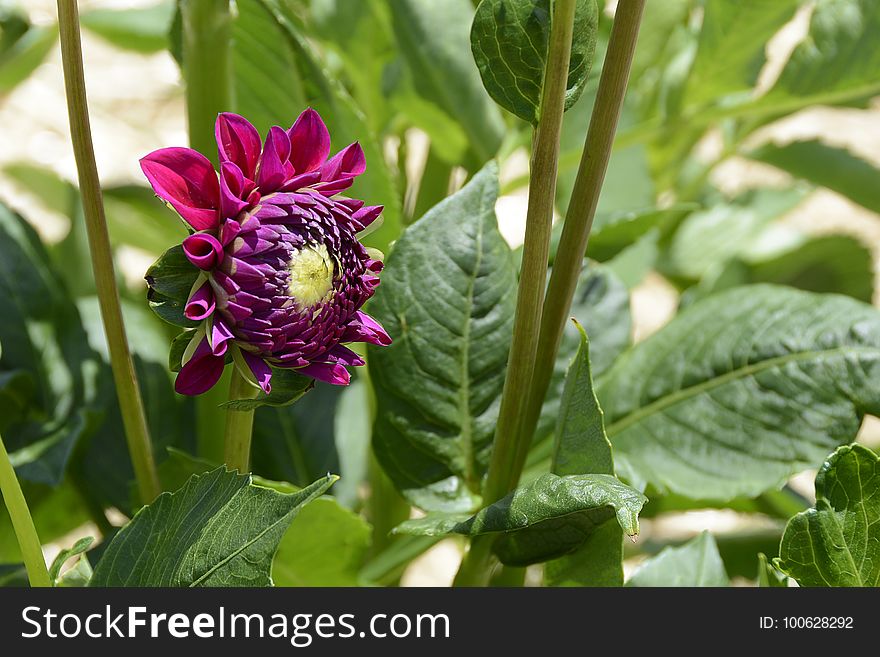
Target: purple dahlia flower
<point x="282" y="273"/>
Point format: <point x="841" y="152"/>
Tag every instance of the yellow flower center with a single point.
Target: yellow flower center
<point x="311" y="275"/>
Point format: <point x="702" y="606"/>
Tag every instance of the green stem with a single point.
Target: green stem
<point x="207" y="67"/>
<point x="239" y="424"/>
<point x="385" y="508"/>
<point x="507" y="455"/>
<point x="22" y="523"/>
<point x="582" y="206"/>
<point x="130" y="402"/>
<point x="434" y="185"/>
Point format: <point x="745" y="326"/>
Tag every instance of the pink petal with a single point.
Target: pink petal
<point x="203" y="250"/>
<point x="328" y="189"/>
<point x="238" y="142"/>
<point x="328" y="372"/>
<point x="261" y="371"/>
<point x="365" y="329"/>
<point x="367" y="215"/>
<point x="344" y="355"/>
<point x="231" y="190"/>
<point x="347" y="163"/>
<point x="201" y="372"/>
<point x="218" y="335"/>
<point x="272" y="170"/>
<point x="201" y="304"/>
<point x="309" y="142"/>
<point x="187" y="180"/>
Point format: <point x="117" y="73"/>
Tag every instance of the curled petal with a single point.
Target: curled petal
<point x="347" y="163"/>
<point x="187" y="180"/>
<point x="272" y="165"/>
<point x="329" y="372"/>
<point x="219" y="336"/>
<point x="366" y="215"/>
<point x="238" y="142"/>
<point x="201" y="303"/>
<point x="344" y="355"/>
<point x="232" y="188"/>
<point x="203" y="250"/>
<point x="309" y="142"/>
<point x="201" y="372"/>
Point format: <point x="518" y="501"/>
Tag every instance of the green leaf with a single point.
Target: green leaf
<point x="351" y="429"/>
<point x="712" y="236"/>
<point x="22" y="57"/>
<point x="635" y="262"/>
<point x="838" y="542"/>
<point x="828" y="166"/>
<point x="218" y="530"/>
<point x="615" y="231"/>
<point x="829" y="263"/>
<point x="837" y="63"/>
<point x="135" y="218"/>
<point x="545" y="519"/>
<point x="140" y="29"/>
<point x="13" y="575"/>
<point x="42" y="335"/>
<point x="170" y="280"/>
<point x="581" y="447"/>
<point x="287" y="388"/>
<point x="696" y="563"/>
<point x="326" y="546"/>
<point x="432" y="38"/>
<point x="742" y="390"/>
<point x="732" y="45"/>
<point x="768" y="576"/>
<point x="67" y="554"/>
<point x="447" y="299"/>
<point x="510" y="40"/>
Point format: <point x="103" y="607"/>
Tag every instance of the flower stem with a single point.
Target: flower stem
<point x="507" y="455"/>
<point x="582" y="206"/>
<point x="130" y="402"/>
<point x="239" y="424"/>
<point x="22" y="523"/>
<point x="207" y="65"/>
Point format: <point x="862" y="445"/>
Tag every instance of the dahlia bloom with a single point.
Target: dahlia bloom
<point x="282" y="273"/>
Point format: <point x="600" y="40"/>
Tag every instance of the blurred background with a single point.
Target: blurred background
<point x="137" y="105"/>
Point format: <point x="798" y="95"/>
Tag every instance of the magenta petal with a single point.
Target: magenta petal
<point x="201" y="304"/>
<point x="366" y="329"/>
<point x="367" y="215"/>
<point x="218" y="336"/>
<point x="328" y="372"/>
<point x="231" y="185"/>
<point x="309" y="142"/>
<point x="238" y="142"/>
<point x="201" y="372"/>
<point x="187" y="180"/>
<point x="344" y="355"/>
<point x="203" y="250"/>
<point x="272" y="171"/>
<point x="347" y="163"/>
<point x="328" y="189"/>
<point x="261" y="371"/>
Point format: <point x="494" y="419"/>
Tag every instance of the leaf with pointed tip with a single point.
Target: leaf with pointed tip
<point x="447" y="299"/>
<point x="742" y="390"/>
<point x="768" y="575"/>
<point x="696" y="563"/>
<point x="218" y="530"/>
<point x="837" y="543"/>
<point x="64" y="556"/>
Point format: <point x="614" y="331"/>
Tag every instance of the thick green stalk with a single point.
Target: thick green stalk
<point x="582" y="206"/>
<point x="207" y="68"/>
<point x="239" y="424"/>
<point x="130" y="402"/>
<point x="22" y="523"/>
<point x="508" y="455"/>
<point x="506" y="462"/>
